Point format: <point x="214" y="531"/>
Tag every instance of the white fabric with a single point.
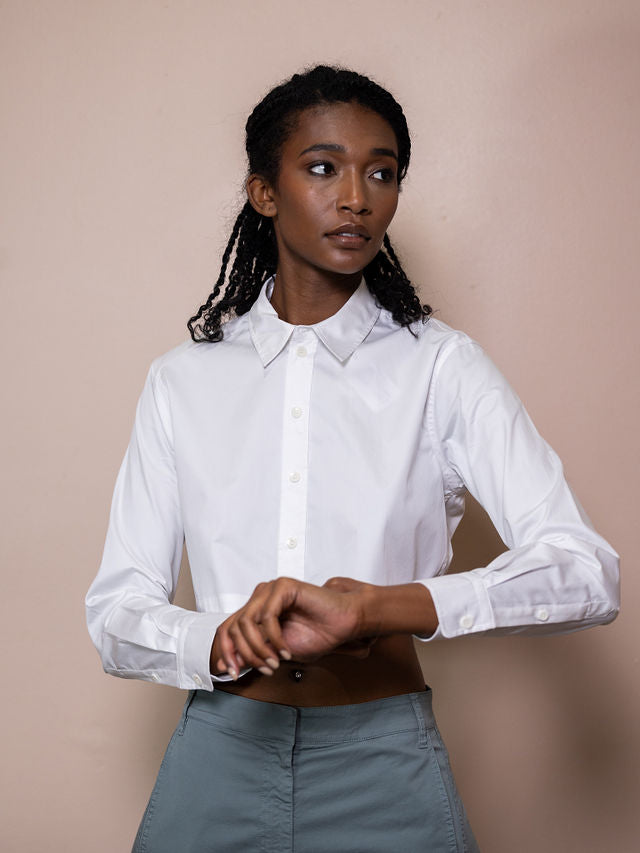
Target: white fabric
<point x="342" y="448"/>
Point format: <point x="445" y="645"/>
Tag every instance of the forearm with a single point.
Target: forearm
<point x="287" y="618"/>
<point x="400" y="609"/>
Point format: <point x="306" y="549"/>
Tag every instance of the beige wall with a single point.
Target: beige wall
<point x="121" y="170"/>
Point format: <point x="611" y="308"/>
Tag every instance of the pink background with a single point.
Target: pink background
<point x="122" y="167"/>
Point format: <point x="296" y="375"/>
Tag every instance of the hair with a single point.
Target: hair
<point x="253" y="236"/>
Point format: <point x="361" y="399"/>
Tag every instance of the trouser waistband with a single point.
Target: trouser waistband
<point x="313" y="725"/>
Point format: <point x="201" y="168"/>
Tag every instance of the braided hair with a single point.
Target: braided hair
<point x="253" y="242"/>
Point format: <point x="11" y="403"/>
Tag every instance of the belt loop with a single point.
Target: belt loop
<point x="187" y="705"/>
<point x="423" y="741"/>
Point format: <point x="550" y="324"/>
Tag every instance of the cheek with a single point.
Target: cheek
<point x="390" y="207"/>
<point x="308" y="211"/>
<point x="314" y="203"/>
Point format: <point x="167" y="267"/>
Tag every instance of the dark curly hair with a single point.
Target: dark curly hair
<point x="253" y="236"/>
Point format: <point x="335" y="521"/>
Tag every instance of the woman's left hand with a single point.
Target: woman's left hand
<point x="296" y="620"/>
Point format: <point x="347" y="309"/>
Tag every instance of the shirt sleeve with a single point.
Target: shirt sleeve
<point x="136" y="629"/>
<point x="558" y="575"/>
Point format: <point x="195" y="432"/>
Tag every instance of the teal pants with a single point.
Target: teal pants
<point x="243" y="776"/>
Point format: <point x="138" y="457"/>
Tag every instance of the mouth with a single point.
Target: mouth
<point x="349" y="236"/>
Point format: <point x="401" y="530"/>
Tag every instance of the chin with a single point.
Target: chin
<point x="349" y="266"/>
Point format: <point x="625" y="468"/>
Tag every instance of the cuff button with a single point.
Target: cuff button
<point x="197" y="680"/>
<point x="542" y="614"/>
<point x="466" y="621"/>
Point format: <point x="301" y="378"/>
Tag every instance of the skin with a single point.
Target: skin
<point x="351" y="640"/>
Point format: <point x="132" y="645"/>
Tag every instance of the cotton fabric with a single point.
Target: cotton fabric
<point x="342" y="448"/>
<point x="244" y="775"/>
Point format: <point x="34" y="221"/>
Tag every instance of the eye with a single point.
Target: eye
<point x="324" y="168"/>
<point x="385" y="175"/>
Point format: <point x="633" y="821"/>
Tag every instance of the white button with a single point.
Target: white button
<point x="197" y="679"/>
<point x="301" y="351"/>
<point x="294" y="476"/>
<point x="296" y="412"/>
<point x="466" y="621"/>
<point x="155" y="676"/>
<point x="292" y="542"/>
<point x="542" y="614"/>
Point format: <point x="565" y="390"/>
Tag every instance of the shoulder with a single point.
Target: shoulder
<point x="455" y="349"/>
<point x="466" y="387"/>
<point x="438" y="335"/>
<point x="455" y="368"/>
<point x="433" y="340"/>
<point x="190" y="358"/>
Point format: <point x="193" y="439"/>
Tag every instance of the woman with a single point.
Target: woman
<point x="312" y="445"/>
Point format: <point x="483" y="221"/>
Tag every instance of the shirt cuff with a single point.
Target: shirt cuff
<point x="462" y="605"/>
<point x="194" y="661"/>
<point x="194" y="669"/>
<point x="224" y="676"/>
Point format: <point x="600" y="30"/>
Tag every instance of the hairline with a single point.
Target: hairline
<point x="290" y="121"/>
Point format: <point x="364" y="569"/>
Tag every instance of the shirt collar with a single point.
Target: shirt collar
<point x="341" y="333"/>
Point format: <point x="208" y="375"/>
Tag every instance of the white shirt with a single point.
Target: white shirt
<point x="342" y="448"/>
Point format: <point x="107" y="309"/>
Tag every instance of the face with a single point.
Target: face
<point x="337" y="190"/>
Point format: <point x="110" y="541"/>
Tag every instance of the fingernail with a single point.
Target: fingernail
<point x="285" y="654"/>
<point x="273" y="663"/>
<point x="233" y="673"/>
<point x="265" y="670"/>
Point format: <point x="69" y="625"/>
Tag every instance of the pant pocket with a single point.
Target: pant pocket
<point x="463" y="840"/>
<point x="140" y="842"/>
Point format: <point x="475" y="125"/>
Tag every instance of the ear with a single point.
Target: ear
<point x="261" y="195"/>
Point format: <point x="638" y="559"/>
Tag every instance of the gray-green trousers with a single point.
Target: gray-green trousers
<point x="243" y="776"/>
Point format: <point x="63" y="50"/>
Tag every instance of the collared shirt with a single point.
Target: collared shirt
<point x="341" y="448"/>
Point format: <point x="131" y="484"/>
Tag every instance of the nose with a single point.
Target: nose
<point x="353" y="195"/>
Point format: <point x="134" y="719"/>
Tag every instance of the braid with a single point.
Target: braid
<point x="255" y="259"/>
<point x="253" y="243"/>
<point x="392" y="289"/>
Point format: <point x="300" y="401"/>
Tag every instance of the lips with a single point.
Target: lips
<point x="349" y="236"/>
<point x="350" y="229"/>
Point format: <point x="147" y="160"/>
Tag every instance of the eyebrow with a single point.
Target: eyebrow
<point x="333" y="146"/>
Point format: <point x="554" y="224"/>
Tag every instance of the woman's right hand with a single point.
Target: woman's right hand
<point x="334" y="617"/>
<point x="360" y="648"/>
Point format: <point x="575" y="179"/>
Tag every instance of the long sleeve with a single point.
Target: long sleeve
<point x="558" y="575"/>
<point x="138" y="632"/>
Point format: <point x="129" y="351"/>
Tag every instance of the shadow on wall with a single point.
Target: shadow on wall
<point x="585" y="745"/>
<point x="547" y="699"/>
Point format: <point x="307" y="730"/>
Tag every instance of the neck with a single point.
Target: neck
<point x="305" y="300"/>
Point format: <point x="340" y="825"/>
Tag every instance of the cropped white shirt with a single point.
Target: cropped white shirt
<point x="342" y="448"/>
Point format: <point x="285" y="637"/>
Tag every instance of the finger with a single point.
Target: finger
<point x="249" y="642"/>
<point x="273" y="632"/>
<point x="247" y="636"/>
<point x="228" y="649"/>
<point x="221" y="666"/>
<point x="257" y="636"/>
<point x="282" y="596"/>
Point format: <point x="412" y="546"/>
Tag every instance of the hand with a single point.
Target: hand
<point x="360" y="648"/>
<point x="290" y="619"/>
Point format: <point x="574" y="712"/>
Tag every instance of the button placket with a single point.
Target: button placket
<point x="301" y="351"/>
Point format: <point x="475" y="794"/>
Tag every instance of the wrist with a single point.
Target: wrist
<point x="400" y="609"/>
<point x="369" y="621"/>
<point x="214" y="658"/>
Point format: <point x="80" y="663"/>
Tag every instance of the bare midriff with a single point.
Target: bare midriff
<point x="390" y="668"/>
